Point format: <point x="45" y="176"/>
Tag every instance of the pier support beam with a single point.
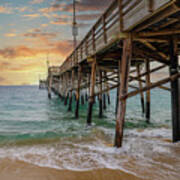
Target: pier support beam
<point x="175" y="90"/>
<point x="100" y="95"/>
<point x="66" y="98"/>
<point x="107" y="86"/>
<point x="148" y="93"/>
<point x="118" y="88"/>
<point x="92" y="88"/>
<point x="109" y="98"/>
<point x="126" y="61"/>
<point x="82" y="99"/>
<point x="86" y="96"/>
<point x="104" y="95"/>
<point x="140" y="87"/>
<point x="71" y="93"/>
<point x="78" y="91"/>
<point x="104" y="101"/>
<point x="60" y="88"/>
<point x="66" y="87"/>
<point x="49" y="84"/>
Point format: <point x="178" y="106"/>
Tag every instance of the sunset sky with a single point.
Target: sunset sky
<point x="31" y="30"/>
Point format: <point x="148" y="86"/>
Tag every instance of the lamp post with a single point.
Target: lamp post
<point x="74" y="28"/>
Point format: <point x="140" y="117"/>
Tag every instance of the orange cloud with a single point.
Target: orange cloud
<point x="5" y="10"/>
<point x="40" y="38"/>
<point x="2" y="79"/>
<point x="23" y="9"/>
<point x="10" y="35"/>
<point x="61" y="48"/>
<point x="4" y="65"/>
<point x="31" y="16"/>
<point x="61" y="22"/>
<point x="44" y="25"/>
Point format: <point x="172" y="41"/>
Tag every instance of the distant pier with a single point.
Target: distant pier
<point x="130" y="41"/>
<point x="42" y="84"/>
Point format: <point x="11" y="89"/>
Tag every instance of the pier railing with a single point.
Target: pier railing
<point x="121" y="16"/>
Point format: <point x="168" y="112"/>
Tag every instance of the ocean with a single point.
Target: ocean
<point x="40" y="139"/>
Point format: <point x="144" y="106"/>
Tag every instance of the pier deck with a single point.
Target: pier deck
<point x="129" y="42"/>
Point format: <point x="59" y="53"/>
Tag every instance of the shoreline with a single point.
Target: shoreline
<point x="19" y="170"/>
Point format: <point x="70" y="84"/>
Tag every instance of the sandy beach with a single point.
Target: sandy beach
<point x="18" y="170"/>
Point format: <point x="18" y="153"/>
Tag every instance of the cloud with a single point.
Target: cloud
<point x="82" y="5"/>
<point x="40" y="35"/>
<point x="61" y="48"/>
<point x="22" y="9"/>
<point x="5" y="10"/>
<point x="4" y="65"/>
<point x="10" y="34"/>
<point x="32" y="16"/>
<point x="19" y="51"/>
<point x="89" y="11"/>
<point x="44" y="25"/>
<point x="36" y="1"/>
<point x="62" y="21"/>
<point x="2" y="79"/>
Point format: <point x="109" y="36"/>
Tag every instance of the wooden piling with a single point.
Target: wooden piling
<point x="78" y="91"/>
<point x="74" y="96"/>
<point x="49" y="83"/>
<point x="118" y="88"/>
<point x="175" y="90"/>
<point x="104" y="95"/>
<point x="107" y="86"/>
<point x="66" y="99"/>
<point x="63" y="87"/>
<point x="82" y="99"/>
<point x="71" y="93"/>
<point x="126" y="60"/>
<point x="86" y="96"/>
<point x="91" y="97"/>
<point x="104" y="101"/>
<point x="140" y="86"/>
<point x="148" y="95"/>
<point x="109" y="98"/>
<point x="100" y="95"/>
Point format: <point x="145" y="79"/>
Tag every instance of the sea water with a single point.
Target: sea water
<point x="42" y="132"/>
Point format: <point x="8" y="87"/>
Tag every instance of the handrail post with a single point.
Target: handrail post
<point x="86" y="47"/>
<point x="93" y="39"/>
<point x="120" y="15"/>
<point x="76" y="56"/>
<point x="150" y="5"/>
<point x="81" y="52"/>
<point x="104" y="28"/>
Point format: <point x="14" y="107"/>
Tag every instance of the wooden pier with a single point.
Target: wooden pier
<point x="42" y="84"/>
<point x="132" y="40"/>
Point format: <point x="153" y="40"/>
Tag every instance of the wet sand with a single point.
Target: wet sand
<point x="18" y="170"/>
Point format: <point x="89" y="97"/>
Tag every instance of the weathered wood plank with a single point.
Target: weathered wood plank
<point x="126" y="61"/>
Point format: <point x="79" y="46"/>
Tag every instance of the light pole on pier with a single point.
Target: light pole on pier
<point x="74" y="28"/>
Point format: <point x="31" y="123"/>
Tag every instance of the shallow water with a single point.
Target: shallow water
<point x="41" y="132"/>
